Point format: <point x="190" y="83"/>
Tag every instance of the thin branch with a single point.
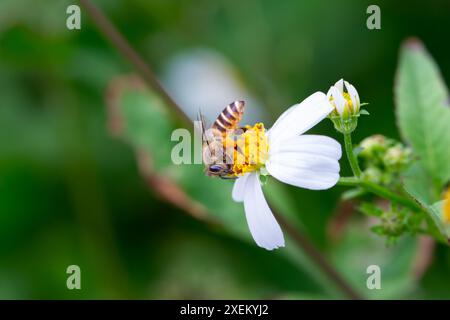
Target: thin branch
<point x="380" y="191"/>
<point x="117" y="39"/>
<point x="124" y="47"/>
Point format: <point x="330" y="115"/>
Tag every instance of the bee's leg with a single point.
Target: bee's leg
<point x="228" y="173"/>
<point x="229" y="177"/>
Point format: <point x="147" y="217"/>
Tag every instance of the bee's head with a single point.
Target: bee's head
<point x="219" y="170"/>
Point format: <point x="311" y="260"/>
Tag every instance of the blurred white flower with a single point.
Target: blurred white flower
<point x="202" y="79"/>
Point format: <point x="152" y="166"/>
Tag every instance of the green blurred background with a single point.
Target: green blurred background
<point x="70" y="193"/>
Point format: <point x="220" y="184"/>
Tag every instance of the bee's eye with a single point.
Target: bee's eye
<point x="215" y="168"/>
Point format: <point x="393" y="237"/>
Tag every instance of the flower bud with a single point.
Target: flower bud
<point x="345" y="100"/>
<point x="373" y="145"/>
<point x="397" y="156"/>
<point x="373" y="174"/>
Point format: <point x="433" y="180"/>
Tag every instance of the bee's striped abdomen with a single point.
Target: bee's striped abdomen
<point x="230" y="116"/>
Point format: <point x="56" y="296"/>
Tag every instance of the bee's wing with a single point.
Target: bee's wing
<point x="202" y="127"/>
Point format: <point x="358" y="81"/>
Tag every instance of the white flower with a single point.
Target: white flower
<point x="345" y="99"/>
<point x="307" y="161"/>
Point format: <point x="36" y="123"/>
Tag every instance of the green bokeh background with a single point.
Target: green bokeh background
<point x="71" y="194"/>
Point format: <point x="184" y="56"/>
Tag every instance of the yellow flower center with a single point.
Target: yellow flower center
<point x="251" y="149"/>
<point x="349" y="101"/>
<point x="446" y="208"/>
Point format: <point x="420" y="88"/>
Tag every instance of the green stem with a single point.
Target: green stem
<point x="349" y="181"/>
<point x="351" y="155"/>
<point x="380" y="191"/>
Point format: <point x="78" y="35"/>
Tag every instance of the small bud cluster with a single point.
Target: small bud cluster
<point x="384" y="159"/>
<point x="393" y="221"/>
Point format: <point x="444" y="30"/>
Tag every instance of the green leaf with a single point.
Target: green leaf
<point x="423" y="113"/>
<point x="139" y="108"/>
<point x="417" y="184"/>
<point x="364" y="112"/>
<point x="437" y="210"/>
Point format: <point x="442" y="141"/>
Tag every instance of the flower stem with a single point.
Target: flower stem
<point x="351" y="155"/>
<point x="380" y="191"/>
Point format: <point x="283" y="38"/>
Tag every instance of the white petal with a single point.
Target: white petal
<point x="338" y="99"/>
<point x="308" y="161"/>
<point x="239" y="188"/>
<point x="354" y="96"/>
<point x="346" y="84"/>
<point x="309" y="143"/>
<point x="340" y="85"/>
<point x="330" y="93"/>
<point x="300" y="117"/>
<point x="264" y="228"/>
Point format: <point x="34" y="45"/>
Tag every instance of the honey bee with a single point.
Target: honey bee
<point x="216" y="154"/>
